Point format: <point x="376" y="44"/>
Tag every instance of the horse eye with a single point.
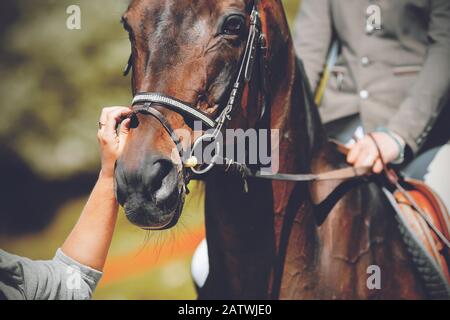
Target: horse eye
<point x="233" y="25"/>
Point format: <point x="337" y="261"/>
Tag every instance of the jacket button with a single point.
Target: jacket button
<point x="365" y="61"/>
<point x="364" y="94"/>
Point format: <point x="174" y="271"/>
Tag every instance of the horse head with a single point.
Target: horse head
<point x="190" y="51"/>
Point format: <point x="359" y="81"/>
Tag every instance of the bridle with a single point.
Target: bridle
<point x="146" y="102"/>
<point x="255" y="49"/>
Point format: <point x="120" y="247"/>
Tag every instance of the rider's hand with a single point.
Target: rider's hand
<point x="365" y="153"/>
<point x="112" y="142"/>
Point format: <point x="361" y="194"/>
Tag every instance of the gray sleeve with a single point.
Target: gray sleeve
<point x="313" y="33"/>
<point x="426" y="98"/>
<point x="61" y="278"/>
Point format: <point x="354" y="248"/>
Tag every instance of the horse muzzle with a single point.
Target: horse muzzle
<point x="152" y="194"/>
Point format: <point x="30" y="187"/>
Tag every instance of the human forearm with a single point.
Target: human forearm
<point x="89" y="241"/>
<point x="421" y="108"/>
<point x="423" y="104"/>
<point x="85" y="249"/>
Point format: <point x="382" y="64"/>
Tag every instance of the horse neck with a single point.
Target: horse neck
<point x="295" y="115"/>
<point x="242" y="229"/>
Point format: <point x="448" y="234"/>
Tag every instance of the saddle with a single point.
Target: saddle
<point x="424" y="224"/>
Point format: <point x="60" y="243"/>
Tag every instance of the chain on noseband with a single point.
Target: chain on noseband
<point x="145" y="103"/>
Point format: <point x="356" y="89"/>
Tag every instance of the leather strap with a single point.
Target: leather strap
<point x="147" y="108"/>
<point x="339" y="174"/>
<point x="395" y="180"/>
<point x="323" y="209"/>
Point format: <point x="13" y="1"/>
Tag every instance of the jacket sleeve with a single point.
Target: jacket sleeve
<point x="421" y="107"/>
<point x="59" y="279"/>
<point x="313" y="35"/>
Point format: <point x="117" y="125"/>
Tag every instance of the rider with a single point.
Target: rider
<point x="76" y="268"/>
<point x="390" y="77"/>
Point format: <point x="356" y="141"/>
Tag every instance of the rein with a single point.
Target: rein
<point x="394" y="179"/>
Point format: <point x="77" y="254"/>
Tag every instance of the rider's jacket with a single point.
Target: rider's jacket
<point x="393" y="65"/>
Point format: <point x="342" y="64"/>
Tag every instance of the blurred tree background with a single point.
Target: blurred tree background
<point x="54" y="82"/>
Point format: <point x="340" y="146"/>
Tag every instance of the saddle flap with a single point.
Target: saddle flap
<point x="437" y="214"/>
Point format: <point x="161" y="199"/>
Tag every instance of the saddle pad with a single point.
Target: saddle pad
<point x="429" y="253"/>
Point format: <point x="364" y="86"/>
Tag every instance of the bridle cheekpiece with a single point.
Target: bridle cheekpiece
<point x="146" y="102"/>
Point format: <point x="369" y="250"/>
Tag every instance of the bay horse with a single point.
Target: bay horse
<point x="265" y="243"/>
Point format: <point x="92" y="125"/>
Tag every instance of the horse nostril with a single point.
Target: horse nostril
<point x="162" y="180"/>
<point x="161" y="168"/>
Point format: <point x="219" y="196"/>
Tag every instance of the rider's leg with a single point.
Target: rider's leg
<point x="433" y="167"/>
<point x="344" y="130"/>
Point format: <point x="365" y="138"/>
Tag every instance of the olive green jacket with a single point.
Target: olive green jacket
<point x="393" y="66"/>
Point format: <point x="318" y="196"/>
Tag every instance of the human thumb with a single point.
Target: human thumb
<point x="123" y="133"/>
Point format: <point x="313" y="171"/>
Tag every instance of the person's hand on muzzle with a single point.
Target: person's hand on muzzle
<point x="112" y="135"/>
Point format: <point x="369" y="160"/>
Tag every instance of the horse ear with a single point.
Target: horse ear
<point x="276" y="29"/>
<point x="274" y="21"/>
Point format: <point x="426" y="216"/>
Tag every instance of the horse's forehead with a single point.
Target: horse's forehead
<point x="179" y="9"/>
<point x="171" y="37"/>
<point x="176" y="26"/>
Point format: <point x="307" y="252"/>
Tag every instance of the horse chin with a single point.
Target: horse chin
<point x="175" y="216"/>
<point x="149" y="217"/>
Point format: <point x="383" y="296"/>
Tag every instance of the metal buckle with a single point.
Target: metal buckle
<point x="213" y="160"/>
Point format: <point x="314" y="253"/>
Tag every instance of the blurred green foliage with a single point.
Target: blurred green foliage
<point x="54" y="81"/>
